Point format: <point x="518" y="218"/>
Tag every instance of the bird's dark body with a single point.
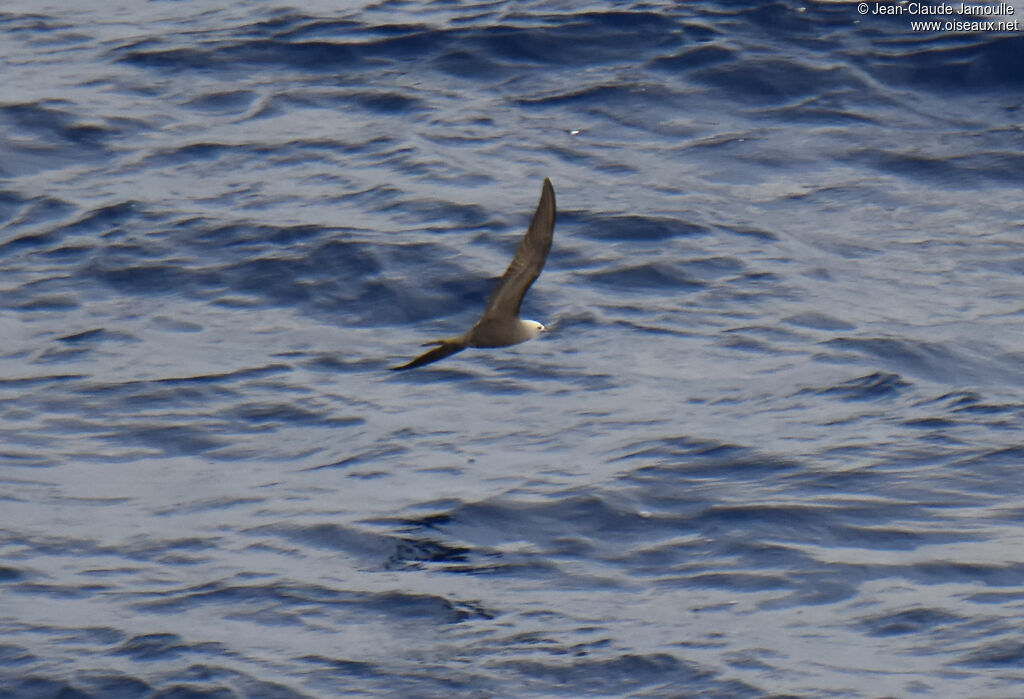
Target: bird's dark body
<point x="499" y="325"/>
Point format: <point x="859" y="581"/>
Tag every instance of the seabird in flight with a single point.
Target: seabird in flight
<point x="500" y="325"/>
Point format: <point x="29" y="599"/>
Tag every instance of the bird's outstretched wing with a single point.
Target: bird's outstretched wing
<point x="528" y="261"/>
<point x="445" y="349"/>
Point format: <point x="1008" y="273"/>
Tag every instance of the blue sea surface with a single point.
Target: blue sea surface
<point x="772" y="446"/>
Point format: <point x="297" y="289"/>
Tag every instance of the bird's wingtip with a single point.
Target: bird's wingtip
<point x="547" y="191"/>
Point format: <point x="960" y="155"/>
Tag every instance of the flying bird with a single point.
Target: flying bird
<point x="500" y="325"/>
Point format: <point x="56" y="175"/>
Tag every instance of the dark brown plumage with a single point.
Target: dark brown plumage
<point x="500" y="325"/>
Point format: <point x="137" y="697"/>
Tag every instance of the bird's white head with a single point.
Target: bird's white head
<point x="531" y="328"/>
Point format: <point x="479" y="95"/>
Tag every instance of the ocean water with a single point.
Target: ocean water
<point x="771" y="447"/>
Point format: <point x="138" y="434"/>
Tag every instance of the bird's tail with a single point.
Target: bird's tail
<point x="445" y="348"/>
